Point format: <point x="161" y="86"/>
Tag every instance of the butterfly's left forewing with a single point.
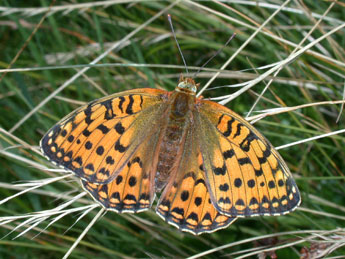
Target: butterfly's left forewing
<point x="96" y="141"/>
<point x="112" y="145"/>
<point x="244" y="173"/>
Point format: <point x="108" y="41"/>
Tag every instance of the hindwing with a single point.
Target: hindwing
<point x="185" y="201"/>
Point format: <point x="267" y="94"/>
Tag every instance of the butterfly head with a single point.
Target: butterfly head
<point x="187" y="85"/>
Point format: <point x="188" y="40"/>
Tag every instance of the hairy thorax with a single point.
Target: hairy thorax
<point x="173" y="136"/>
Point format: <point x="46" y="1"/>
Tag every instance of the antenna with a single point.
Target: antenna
<point x="214" y="55"/>
<point x="178" y="46"/>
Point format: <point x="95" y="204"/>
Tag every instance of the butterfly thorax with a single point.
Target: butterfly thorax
<point x="178" y="120"/>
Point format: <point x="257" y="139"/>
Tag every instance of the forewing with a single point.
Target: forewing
<point x="185" y="201"/>
<point x="245" y="174"/>
<point x="96" y="141"/>
<point x="133" y="188"/>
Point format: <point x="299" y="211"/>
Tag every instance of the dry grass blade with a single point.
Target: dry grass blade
<point x="101" y="211"/>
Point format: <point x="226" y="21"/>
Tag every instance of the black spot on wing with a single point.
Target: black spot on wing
<point x="144" y="196"/>
<point x="262" y="160"/>
<point x="238" y="131"/>
<point x="220" y="170"/>
<point x="259" y="172"/>
<point x="197" y="201"/>
<point x="122" y="100"/>
<point x="141" y="101"/>
<point x="129" y="109"/>
<point x="132" y="181"/>
<point x="115" y="195"/>
<point x="240" y="202"/>
<point x="88" y="145"/>
<point x="130" y="197"/>
<point x="86" y="133"/>
<point x="245" y="144"/>
<point x="64" y="133"/>
<point x="90" y="167"/>
<point x="253" y="201"/>
<point x="177" y="210"/>
<point x="88" y="113"/>
<point x="79" y="160"/>
<point x="184" y="195"/>
<point x="280" y="183"/>
<point x="118" y="179"/>
<point x="137" y="160"/>
<point x="244" y="161"/>
<point x="200" y="181"/>
<point x="224" y="187"/>
<point x="104" y="188"/>
<point x="220" y="119"/>
<point x="271" y="184"/>
<point x="109" y="160"/>
<point x="226" y="200"/>
<point x="109" y="114"/>
<point x="165" y="203"/>
<point x="238" y="182"/>
<point x="103" y="128"/>
<point x="193" y="216"/>
<point x="119" y="128"/>
<point x="251" y="183"/>
<point x="104" y="172"/>
<point x="229" y="128"/>
<point x="119" y="147"/>
<point x="228" y="154"/>
<point x="100" y="150"/>
<point x="207" y="217"/>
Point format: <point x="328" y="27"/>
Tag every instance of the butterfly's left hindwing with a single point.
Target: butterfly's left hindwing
<point x="244" y="173"/>
<point x="132" y="190"/>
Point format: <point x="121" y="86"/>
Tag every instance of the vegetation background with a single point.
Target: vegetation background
<point x="45" y="44"/>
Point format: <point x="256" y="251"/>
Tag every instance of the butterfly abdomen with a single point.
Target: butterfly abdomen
<point x="173" y="136"/>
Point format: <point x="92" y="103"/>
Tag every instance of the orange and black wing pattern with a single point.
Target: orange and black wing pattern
<point x="185" y="201"/>
<point x="98" y="140"/>
<point x="132" y="190"/>
<point x="245" y="175"/>
<point x="224" y="168"/>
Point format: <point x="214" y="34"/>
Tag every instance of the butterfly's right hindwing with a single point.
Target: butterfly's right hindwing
<point x="185" y="201"/>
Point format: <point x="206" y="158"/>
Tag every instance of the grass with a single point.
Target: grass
<point x="303" y="100"/>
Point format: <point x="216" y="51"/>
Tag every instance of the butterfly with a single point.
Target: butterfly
<point x="209" y="164"/>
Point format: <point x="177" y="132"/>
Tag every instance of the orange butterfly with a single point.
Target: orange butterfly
<point x="211" y="164"/>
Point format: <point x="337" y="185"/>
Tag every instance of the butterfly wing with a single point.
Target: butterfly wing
<point x="185" y="201"/>
<point x="133" y="188"/>
<point x="244" y="173"/>
<point x="98" y="140"/>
